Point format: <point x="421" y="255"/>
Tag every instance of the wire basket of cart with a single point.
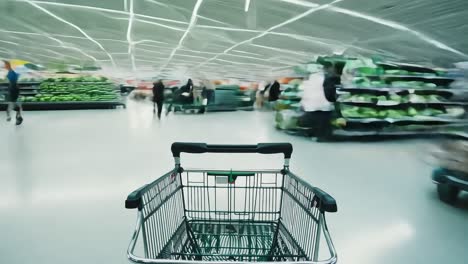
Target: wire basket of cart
<point x="214" y="216"/>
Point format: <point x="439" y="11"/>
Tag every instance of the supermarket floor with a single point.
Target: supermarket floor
<point x="64" y="176"/>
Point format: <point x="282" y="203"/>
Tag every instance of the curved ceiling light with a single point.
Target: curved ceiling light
<point x="74" y="26"/>
<point x="193" y="21"/>
<point x="397" y="26"/>
<point x="304" y="14"/>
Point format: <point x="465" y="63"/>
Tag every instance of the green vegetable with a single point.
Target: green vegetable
<point x="430" y="85"/>
<point x="395" y="114"/>
<point x="434" y="98"/>
<point x="73" y="89"/>
<point x="412" y="111"/>
<point x="395" y="97"/>
<point x="431" y="112"/>
<point x="382" y="98"/>
<point x="414" y="98"/>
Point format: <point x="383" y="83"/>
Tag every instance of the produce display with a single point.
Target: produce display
<point x="391" y="98"/>
<point x="21" y="81"/>
<point x="77" y="79"/>
<point x="364" y="82"/>
<point x="289" y="98"/>
<point x="370" y="71"/>
<point x="287" y="119"/>
<point x="64" y="91"/>
<point x="410" y="112"/>
<point x="50" y="92"/>
<point x="28" y="80"/>
<point x="75" y="92"/>
<point x="392" y="101"/>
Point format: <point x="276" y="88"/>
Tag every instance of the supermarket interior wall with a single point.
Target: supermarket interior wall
<point x="218" y="38"/>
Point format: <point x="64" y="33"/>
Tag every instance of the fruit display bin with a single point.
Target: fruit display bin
<point x="52" y="95"/>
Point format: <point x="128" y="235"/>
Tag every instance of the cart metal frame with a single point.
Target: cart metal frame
<point x="212" y="216"/>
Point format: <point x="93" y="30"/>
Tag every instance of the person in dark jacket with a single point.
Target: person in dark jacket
<point x="182" y="95"/>
<point x="274" y="91"/>
<point x="158" y="97"/>
<point x="189" y="86"/>
<point x="332" y="79"/>
<point x="185" y="93"/>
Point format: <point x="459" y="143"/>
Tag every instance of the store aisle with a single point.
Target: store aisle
<point x="64" y="176"/>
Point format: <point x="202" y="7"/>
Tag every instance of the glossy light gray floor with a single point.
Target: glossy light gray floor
<point x="64" y="176"/>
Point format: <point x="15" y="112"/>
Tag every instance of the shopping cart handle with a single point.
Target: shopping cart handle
<point x="262" y="148"/>
<point x="134" y="199"/>
<point x="327" y="202"/>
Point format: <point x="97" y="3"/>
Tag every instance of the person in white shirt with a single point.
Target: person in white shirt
<point x="318" y="111"/>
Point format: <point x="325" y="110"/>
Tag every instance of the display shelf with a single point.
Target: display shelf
<point x="341" y="132"/>
<point x="407" y="77"/>
<point x="344" y="133"/>
<point x="415" y="96"/>
<point x="97" y="83"/>
<point x="27" y="93"/>
<point x="33" y="89"/>
<point x="26" y="88"/>
<point x="458" y="134"/>
<point x="385" y="90"/>
<point x="22" y="90"/>
<point x="392" y="134"/>
<point x="405" y="66"/>
<point x="416" y="119"/>
<point x="406" y="104"/>
<point x="75" y="93"/>
<point x="21" y="83"/>
<point x="69" y="105"/>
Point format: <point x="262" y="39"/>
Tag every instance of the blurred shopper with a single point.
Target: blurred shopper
<point x="158" y="97"/>
<point x="274" y="91"/>
<point x="210" y="90"/>
<point x="186" y="93"/>
<point x="198" y="93"/>
<point x="318" y="110"/>
<point x="189" y="86"/>
<point x="13" y="94"/>
<point x="183" y="95"/>
<point x="332" y="79"/>
<point x="260" y="94"/>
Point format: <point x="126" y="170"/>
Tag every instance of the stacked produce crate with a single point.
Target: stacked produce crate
<point x="287" y="107"/>
<point x="396" y="99"/>
<point x="289" y="97"/>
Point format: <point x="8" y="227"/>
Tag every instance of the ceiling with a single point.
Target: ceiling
<point x="218" y="38"/>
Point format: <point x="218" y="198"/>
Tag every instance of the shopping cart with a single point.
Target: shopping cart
<point x="451" y="172"/>
<point x="213" y="216"/>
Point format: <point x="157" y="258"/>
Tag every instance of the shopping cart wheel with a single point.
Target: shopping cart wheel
<point x="447" y="193"/>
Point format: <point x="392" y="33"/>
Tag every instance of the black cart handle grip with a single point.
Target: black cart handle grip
<point x="262" y="148"/>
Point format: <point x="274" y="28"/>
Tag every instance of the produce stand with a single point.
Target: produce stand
<point x="67" y="93"/>
<point x="392" y="101"/>
<point x="67" y="105"/>
<point x="287" y="107"/>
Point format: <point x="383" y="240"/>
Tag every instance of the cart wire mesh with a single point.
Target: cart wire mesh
<point x="208" y="215"/>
